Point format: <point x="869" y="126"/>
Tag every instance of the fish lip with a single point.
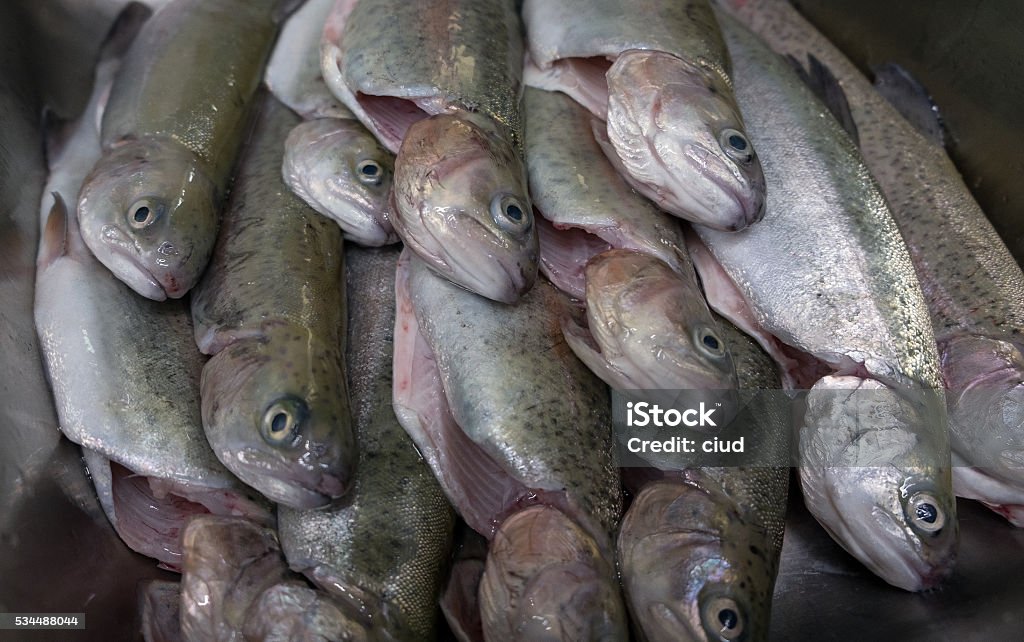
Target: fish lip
<point x="731" y="186"/>
<point x="285" y="489"/>
<point x="125" y="264"/>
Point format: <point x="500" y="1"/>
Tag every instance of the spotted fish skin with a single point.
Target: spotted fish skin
<point x="390" y="540"/>
<point x="271" y="309"/>
<point x="972" y="285"/>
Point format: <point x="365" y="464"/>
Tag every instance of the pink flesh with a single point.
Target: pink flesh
<point x="564" y="254"/>
<point x="151" y="512"/>
<point x="582" y="79"/>
<point x="391" y="117"/>
<point x="799" y="370"/>
<point x="1013" y="513"/>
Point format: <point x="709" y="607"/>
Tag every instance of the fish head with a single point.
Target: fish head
<point x="291" y="610"/>
<point x="461" y="204"/>
<point x="679" y="138"/>
<point x="276" y="413"/>
<point x="654" y="326"/>
<point x="149" y="213"/>
<point x="876" y="484"/>
<point x="337" y="167"/>
<point x="985" y="394"/>
<point x="694" y="568"/>
<point x="546" y="579"/>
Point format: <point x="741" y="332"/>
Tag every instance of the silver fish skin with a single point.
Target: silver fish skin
<point x="482" y="350"/>
<point x="293" y="612"/>
<point x="116" y="376"/>
<point x="844" y="290"/>
<point x="271" y="311"/>
<point x="382" y="553"/>
<point x="573" y="185"/>
<point x="173" y="126"/>
<point x="340" y="170"/>
<point x="659" y="73"/>
<point x="699" y="551"/>
<point x="394" y="62"/>
<point x="972" y="285"/>
<point x="293" y="72"/>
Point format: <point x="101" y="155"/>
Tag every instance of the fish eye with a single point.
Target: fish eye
<point x="723" y="617"/>
<point x="925" y="514"/>
<point x="736" y="145"/>
<point x="708" y="342"/>
<point x="370" y="172"/>
<point x="510" y="214"/>
<point x="143" y="213"/>
<point x="282" y="421"/>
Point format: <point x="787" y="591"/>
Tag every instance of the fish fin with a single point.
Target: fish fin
<point x="52" y="245"/>
<point x="122" y="33"/>
<point x="911" y="100"/>
<point x="820" y="79"/>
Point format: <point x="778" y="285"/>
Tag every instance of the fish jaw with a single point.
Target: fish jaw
<point x="460" y="203"/>
<point x="653" y="326"/>
<point x="343" y="173"/>
<point x="250" y="385"/>
<point x="692" y="567"/>
<point x="546" y="579"/>
<point x="985" y="396"/>
<point x="149" y="213"/>
<point x="867" y="484"/>
<point x="670" y="124"/>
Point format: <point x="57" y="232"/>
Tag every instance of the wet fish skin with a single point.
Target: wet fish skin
<point x="411" y="51"/>
<point x="293" y="612"/>
<point x="855" y="304"/>
<point x="159" y="604"/>
<point x="659" y="73"/>
<point x="482" y="349"/>
<point x="149" y="208"/>
<point x="341" y="171"/>
<point x="973" y="286"/>
<point x="547" y="579"/>
<point x="380" y="554"/>
<point x="271" y="310"/>
<point x="460" y="203"/>
<point x="700" y="550"/>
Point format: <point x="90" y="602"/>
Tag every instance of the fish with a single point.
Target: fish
<point x="828" y="274"/>
<point x="126" y="388"/>
<point x="340" y="170"/>
<point x="292" y="611"/>
<point x="460" y="600"/>
<point x="460" y="203"/>
<point x="271" y="311"/>
<point x="172" y="128"/>
<point x="659" y="74"/>
<point x="159" y="605"/>
<point x="228" y="564"/>
<point x="699" y="550"/>
<point x="490" y="394"/>
<point x="381" y="554"/>
<point x="545" y="579"/>
<point x="293" y="72"/>
<point x="447" y="102"/>
<point x="972" y="285"/>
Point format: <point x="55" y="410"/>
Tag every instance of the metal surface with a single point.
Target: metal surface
<point x="967" y="54"/>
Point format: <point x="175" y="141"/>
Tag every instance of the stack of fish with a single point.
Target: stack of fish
<point x="655" y="161"/>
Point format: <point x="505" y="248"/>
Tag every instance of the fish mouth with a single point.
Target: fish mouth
<point x="127" y="267"/>
<point x="284" y="487"/>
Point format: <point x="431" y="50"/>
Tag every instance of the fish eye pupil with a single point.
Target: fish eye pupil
<point x="738" y="143"/>
<point x="728" y="618"/>
<point x="514" y="212"/>
<point x="927" y="513"/>
<point x="279" y="422"/>
<point x="141" y="214"/>
<point x="710" y="341"/>
<point x="369" y="169"/>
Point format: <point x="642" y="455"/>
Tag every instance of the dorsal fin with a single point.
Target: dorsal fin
<point x="911" y="99"/>
<point x="826" y="87"/>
